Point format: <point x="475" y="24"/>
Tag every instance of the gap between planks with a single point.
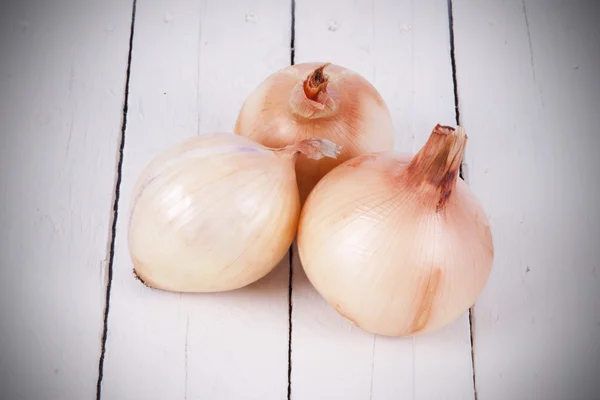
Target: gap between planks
<point x="115" y="210"/>
<point x="291" y="250"/>
<point x="462" y="171"/>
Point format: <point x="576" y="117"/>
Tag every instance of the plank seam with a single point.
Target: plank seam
<point x="293" y="35"/>
<point x="471" y="323"/>
<point x="372" y="367"/>
<point x="117" y="193"/>
<point x="453" y="62"/>
<point x="187" y="332"/>
<point x="531" y="59"/>
<point x="291" y="251"/>
<point x="290" y="310"/>
<point x="461" y="171"/>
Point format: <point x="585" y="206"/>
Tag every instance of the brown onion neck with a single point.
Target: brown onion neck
<point x="438" y="162"/>
<point x="316" y="83"/>
<point x="315" y="149"/>
<point x="309" y="98"/>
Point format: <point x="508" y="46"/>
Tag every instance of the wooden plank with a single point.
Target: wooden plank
<point x="529" y="95"/>
<point x="62" y="74"/>
<point x="403" y="48"/>
<point x="194" y="62"/>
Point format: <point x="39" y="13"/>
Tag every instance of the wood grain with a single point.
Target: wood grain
<point x="194" y="62"/>
<point x="403" y="48"/>
<point x="529" y="96"/>
<point x="62" y="74"/>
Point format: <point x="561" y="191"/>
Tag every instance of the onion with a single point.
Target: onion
<point x="317" y="100"/>
<point x="396" y="244"/>
<point x="216" y="212"/>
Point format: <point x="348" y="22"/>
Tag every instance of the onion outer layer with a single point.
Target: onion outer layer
<point x="398" y="244"/>
<point x="216" y="212"/>
<point x="321" y="100"/>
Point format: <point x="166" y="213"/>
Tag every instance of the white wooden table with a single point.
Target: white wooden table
<point x="90" y="91"/>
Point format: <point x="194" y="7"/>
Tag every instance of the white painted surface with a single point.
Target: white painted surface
<point x="403" y="48"/>
<point x="529" y="92"/>
<point x="194" y="62"/>
<point x="530" y="95"/>
<point x="62" y="79"/>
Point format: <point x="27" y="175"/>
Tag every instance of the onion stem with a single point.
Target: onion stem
<point x="316" y="83"/>
<point x="437" y="163"/>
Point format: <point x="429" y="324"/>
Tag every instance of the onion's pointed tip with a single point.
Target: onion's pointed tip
<point x="444" y="129"/>
<point x="322" y="67"/>
<point x="458" y="131"/>
<point x="316" y="82"/>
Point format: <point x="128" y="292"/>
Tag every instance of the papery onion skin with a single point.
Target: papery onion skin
<point x="345" y="109"/>
<point x="215" y="212"/>
<point x="397" y="244"/>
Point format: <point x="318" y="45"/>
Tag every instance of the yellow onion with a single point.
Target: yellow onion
<point x="397" y="244"/>
<point x="216" y="212"/>
<point x="317" y="100"/>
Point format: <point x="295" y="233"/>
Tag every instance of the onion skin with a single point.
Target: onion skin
<point x="397" y="244"/>
<point x="317" y="100"/>
<point x="216" y="212"/>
